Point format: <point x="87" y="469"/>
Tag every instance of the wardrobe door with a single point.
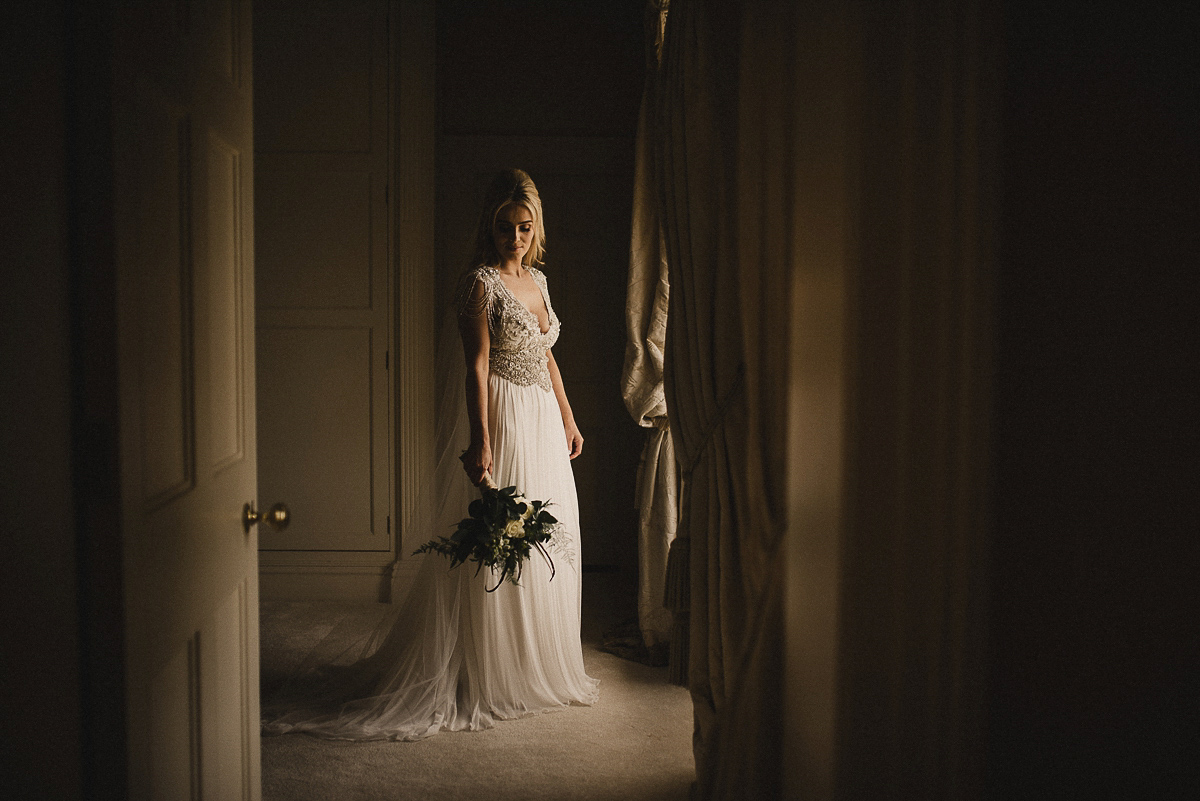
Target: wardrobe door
<point x="324" y="294"/>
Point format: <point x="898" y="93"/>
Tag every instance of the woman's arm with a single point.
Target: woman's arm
<point x="473" y="328"/>
<point x="574" y="438"/>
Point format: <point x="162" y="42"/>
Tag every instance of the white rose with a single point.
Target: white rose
<point x="515" y="528"/>
<point x="520" y="499"/>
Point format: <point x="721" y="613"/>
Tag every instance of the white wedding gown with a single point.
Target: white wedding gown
<point x="456" y="656"/>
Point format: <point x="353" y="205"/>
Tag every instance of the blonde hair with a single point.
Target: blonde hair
<point x="510" y="186"/>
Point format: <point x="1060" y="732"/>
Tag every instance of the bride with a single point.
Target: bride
<point x="455" y="656"/>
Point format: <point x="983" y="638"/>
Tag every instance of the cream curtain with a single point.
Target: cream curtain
<point x="642" y="379"/>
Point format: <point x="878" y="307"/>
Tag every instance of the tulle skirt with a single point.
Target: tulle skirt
<point x="455" y="656"/>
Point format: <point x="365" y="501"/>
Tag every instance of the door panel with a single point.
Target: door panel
<point x="227" y="757"/>
<point x="183" y="205"/>
<point x="323" y="276"/>
<point x="226" y="303"/>
<point x="321" y="443"/>
<point x="315" y="242"/>
<point x="165" y="362"/>
<point x="174" y="736"/>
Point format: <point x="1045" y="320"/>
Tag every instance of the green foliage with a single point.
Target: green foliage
<point x="501" y="532"/>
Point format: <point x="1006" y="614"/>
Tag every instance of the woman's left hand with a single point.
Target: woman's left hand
<point x="574" y="439"/>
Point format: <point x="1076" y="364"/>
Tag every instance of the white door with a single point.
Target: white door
<point x="184" y="224"/>
<point x="324" y="293"/>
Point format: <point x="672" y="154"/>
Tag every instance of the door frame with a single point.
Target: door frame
<point x="413" y="50"/>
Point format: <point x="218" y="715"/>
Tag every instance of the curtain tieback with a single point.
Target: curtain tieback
<point x="716" y="422"/>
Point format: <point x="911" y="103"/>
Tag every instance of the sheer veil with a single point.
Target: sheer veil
<point x="446" y="490"/>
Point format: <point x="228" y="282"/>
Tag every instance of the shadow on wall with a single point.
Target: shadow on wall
<point x="1094" y="646"/>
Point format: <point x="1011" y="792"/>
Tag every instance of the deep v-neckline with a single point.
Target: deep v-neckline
<point x="537" y="322"/>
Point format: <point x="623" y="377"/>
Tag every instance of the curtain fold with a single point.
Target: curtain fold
<point x="646" y="306"/>
<point x="703" y="371"/>
<point x="812" y="157"/>
<point x="747" y="757"/>
<point x="721" y="139"/>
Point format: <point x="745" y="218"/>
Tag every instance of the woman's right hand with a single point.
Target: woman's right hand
<point x="477" y="461"/>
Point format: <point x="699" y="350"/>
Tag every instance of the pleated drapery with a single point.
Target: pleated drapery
<point x="745" y="756"/>
<point x="822" y="185"/>
<point x="704" y="363"/>
<point x="642" y="378"/>
<point x="725" y="381"/>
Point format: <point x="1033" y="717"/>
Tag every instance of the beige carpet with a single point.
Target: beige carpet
<point x="634" y="744"/>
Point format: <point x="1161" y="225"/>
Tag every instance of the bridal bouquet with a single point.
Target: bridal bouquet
<point x="501" y="532"/>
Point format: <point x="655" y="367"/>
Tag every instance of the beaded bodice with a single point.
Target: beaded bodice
<point x="518" y="344"/>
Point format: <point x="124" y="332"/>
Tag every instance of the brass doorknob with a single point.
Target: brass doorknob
<point x="277" y="517"/>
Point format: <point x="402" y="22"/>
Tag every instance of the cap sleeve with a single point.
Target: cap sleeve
<point x="476" y="294"/>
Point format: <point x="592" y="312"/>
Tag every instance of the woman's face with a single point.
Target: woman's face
<point x="513" y="232"/>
